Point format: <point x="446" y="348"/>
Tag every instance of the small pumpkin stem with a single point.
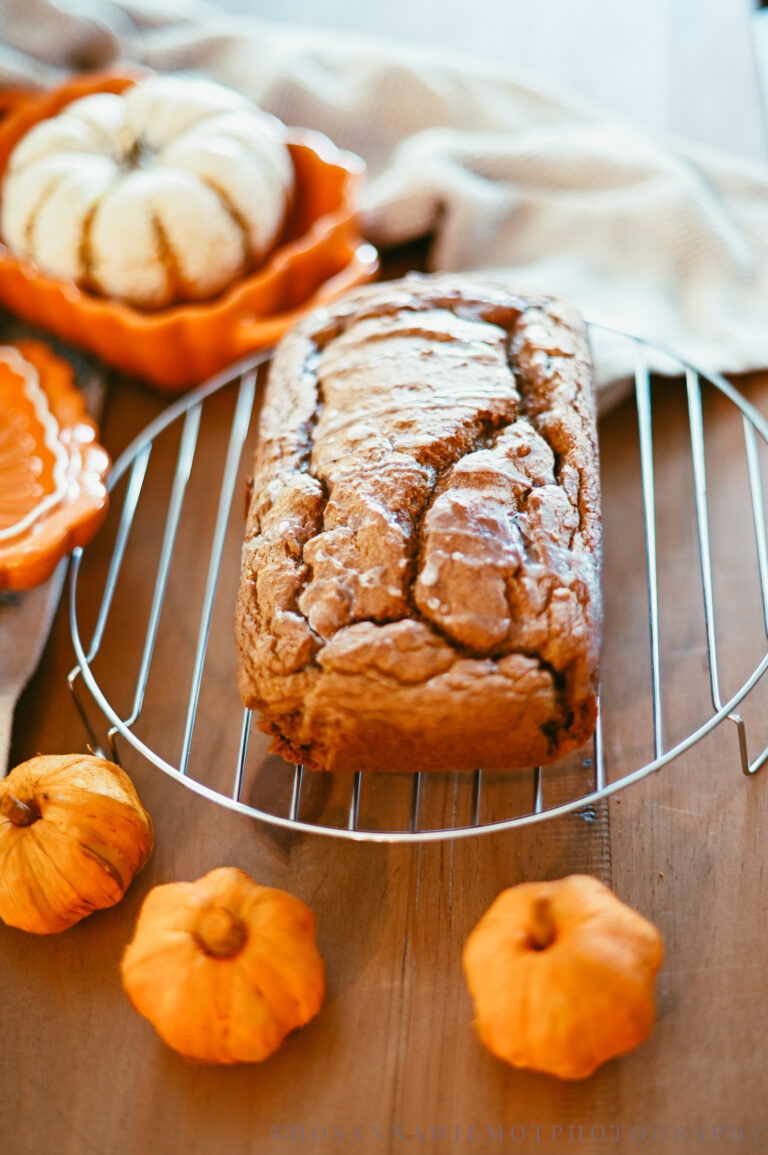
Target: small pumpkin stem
<point x="18" y="812"/>
<point x="542" y="931"/>
<point x="137" y="155"/>
<point x="221" y="933"/>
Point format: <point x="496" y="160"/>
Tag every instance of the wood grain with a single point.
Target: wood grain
<point x="394" y="1046"/>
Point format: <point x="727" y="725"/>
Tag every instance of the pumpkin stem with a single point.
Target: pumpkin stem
<point x="139" y="155"/>
<point x="18" y="812"/>
<point x="221" y="933"/>
<point x="542" y="931"/>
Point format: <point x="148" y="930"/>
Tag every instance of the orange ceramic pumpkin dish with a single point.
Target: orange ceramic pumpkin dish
<point x="318" y="254"/>
<point x="53" y="495"/>
<point x="170" y="190"/>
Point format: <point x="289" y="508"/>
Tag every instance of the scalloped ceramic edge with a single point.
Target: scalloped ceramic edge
<point x="182" y="345"/>
<point x="11" y="99"/>
<point x="53" y="436"/>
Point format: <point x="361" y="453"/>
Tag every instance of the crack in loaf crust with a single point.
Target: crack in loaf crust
<point x="420" y="573"/>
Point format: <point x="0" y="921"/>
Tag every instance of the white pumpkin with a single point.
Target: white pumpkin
<point x="170" y="191"/>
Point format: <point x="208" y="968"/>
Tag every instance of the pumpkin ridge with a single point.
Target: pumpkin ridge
<point x="267" y="958"/>
<point x="177" y="285"/>
<point x="281" y="985"/>
<point x="615" y="955"/>
<point x="280" y="1005"/>
<point x="106" y="865"/>
<point x="235" y="215"/>
<point x="43" y="850"/>
<point x="150" y="830"/>
<point x="85" y="249"/>
<point x="122" y="813"/>
<point x="39" y="893"/>
<point x="172" y="938"/>
<point x="135" y="961"/>
<point x="95" y="783"/>
<point x="191" y="126"/>
<point x="29" y="227"/>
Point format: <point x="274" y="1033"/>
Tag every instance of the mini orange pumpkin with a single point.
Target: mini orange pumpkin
<point x="224" y="968"/>
<point x="561" y="974"/>
<point x="73" y="833"/>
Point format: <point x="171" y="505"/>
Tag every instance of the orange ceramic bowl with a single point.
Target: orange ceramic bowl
<point x="11" y="99"/>
<point x="320" y="256"/>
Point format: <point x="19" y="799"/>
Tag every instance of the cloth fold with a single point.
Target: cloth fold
<point x="25" y="620"/>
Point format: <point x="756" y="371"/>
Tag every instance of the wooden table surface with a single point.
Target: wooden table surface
<point x="393" y="1063"/>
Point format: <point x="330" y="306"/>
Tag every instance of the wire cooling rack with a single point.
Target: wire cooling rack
<point x="173" y="695"/>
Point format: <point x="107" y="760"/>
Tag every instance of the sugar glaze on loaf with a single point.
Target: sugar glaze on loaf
<point x="420" y="572"/>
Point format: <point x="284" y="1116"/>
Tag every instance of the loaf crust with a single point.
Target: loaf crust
<point x="420" y="572"/>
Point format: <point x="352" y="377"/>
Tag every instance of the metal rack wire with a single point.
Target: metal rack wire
<point x="184" y="420"/>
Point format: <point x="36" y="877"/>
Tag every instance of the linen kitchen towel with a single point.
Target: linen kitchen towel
<point x="667" y="239"/>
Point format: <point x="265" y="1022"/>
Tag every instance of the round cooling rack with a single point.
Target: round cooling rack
<point x="172" y="695"/>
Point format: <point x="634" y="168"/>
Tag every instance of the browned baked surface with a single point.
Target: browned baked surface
<point x="420" y="573"/>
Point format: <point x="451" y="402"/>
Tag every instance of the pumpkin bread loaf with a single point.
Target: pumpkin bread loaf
<point x="420" y="573"/>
